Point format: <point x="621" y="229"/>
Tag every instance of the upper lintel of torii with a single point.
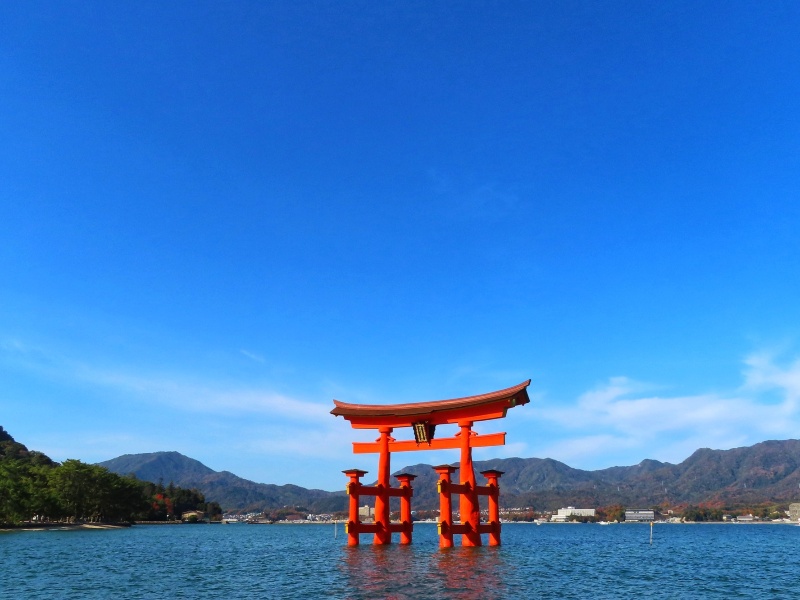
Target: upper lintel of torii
<point x="473" y="408"/>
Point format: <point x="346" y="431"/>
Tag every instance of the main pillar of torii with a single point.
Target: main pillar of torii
<point x="423" y="418"/>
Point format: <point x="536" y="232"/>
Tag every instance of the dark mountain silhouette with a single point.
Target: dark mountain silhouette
<point x="766" y="472"/>
<point x="12" y="449"/>
<point x="230" y="491"/>
<point x="154" y="466"/>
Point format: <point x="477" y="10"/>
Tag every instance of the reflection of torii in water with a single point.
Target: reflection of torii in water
<point x="423" y="417"/>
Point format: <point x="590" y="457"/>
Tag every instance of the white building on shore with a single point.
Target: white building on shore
<point x="641" y="515"/>
<point x="564" y="514"/>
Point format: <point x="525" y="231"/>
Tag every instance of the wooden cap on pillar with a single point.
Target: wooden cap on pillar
<point x="492" y="473"/>
<point x="355" y="472"/>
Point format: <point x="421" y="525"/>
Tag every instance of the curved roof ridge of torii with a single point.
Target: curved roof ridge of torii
<point x="492" y="405"/>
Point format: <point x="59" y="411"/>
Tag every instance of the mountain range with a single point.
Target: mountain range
<point x="765" y="472"/>
<point x="230" y="491"/>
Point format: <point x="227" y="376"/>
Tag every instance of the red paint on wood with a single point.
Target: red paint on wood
<point x="460" y="411"/>
<point x="477" y="441"/>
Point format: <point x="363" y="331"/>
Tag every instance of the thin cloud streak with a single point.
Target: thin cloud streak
<point x="172" y="390"/>
<point x="621" y="421"/>
<point x="206" y="397"/>
<point x="252" y="356"/>
<point x="670" y="428"/>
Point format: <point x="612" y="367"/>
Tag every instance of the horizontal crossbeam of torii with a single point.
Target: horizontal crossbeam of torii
<point x="475" y="441"/>
<point x="423" y="417"/>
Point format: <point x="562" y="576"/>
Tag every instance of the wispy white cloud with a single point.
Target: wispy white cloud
<point x="252" y="356"/>
<point x="620" y="417"/>
<point x="518" y="449"/>
<point x="333" y="444"/>
<point x="620" y="421"/>
<point x="178" y="391"/>
<point x="574" y="450"/>
<point x="89" y="445"/>
<point x="483" y="371"/>
<point x="206" y="397"/>
<point x="766" y="372"/>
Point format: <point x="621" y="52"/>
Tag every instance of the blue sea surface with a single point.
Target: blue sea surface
<point x="309" y="561"/>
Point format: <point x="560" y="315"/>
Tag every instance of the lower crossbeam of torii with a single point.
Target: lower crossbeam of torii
<point x="423" y="418"/>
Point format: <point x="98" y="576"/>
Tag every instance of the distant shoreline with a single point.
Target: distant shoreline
<point x="62" y="526"/>
<point x="84" y="526"/>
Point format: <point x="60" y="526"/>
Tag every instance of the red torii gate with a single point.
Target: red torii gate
<point x="423" y="417"/>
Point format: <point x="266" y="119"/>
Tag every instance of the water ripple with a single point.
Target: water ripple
<point x="295" y="561"/>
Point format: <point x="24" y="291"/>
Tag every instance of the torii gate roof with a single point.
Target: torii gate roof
<point x="472" y="408"/>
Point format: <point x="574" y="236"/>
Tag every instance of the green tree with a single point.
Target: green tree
<point x="74" y="484"/>
<point x="44" y="503"/>
<point x="14" y="496"/>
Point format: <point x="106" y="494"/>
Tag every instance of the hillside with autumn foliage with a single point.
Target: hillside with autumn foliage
<point x="35" y="488"/>
<point x="765" y="473"/>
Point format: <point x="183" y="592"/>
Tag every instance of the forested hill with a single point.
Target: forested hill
<point x="33" y="488"/>
<point x="766" y="472"/>
<point x="169" y="466"/>
<point x="230" y="491"/>
<point x="12" y="449"/>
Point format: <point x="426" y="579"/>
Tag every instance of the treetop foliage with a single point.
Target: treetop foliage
<point x="35" y="488"/>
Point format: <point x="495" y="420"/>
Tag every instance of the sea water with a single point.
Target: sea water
<point x="313" y="561"/>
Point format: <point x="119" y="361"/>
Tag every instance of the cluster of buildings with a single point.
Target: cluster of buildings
<point x="632" y="515"/>
<point x="639" y="515"/>
<point x="635" y="515"/>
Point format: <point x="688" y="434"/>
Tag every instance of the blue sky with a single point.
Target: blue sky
<point x="217" y="217"/>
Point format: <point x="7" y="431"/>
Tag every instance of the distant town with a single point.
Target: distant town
<point x="569" y="514"/>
